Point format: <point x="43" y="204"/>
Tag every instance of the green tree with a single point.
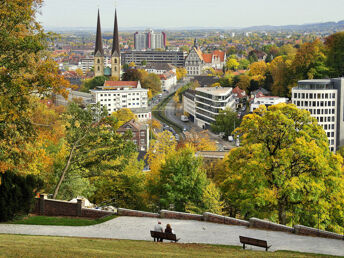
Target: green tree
<point x="226" y="121"/>
<point x="182" y="183"/>
<point x="131" y="75"/>
<point x="284" y="170"/>
<point x="90" y="84"/>
<point x="335" y="53"/>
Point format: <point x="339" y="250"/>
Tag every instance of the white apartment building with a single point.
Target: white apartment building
<point x="149" y="40"/>
<point x="324" y="100"/>
<point x="208" y="103"/>
<point x="189" y="104"/>
<point x="115" y="95"/>
<point x="267" y="101"/>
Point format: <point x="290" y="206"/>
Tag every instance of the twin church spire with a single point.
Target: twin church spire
<point x="115" y="52"/>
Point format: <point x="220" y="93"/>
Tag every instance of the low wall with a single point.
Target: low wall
<point x="95" y="214"/>
<point x="179" y="215"/>
<point x="50" y="207"/>
<point x="263" y="224"/>
<point x="210" y="217"/>
<point x="135" y="213"/>
<point x="307" y="231"/>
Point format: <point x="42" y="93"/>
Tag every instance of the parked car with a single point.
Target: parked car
<point x="230" y="138"/>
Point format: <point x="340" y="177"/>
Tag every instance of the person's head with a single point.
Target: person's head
<point x="168" y="226"/>
<point x="159" y="222"/>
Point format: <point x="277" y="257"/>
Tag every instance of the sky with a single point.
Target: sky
<point x="188" y="13"/>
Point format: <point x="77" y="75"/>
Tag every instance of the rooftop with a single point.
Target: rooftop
<point x="315" y="81"/>
<point x="219" y="91"/>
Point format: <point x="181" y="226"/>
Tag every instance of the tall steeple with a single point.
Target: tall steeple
<point x="115" y="53"/>
<point x="99" y="51"/>
<point x="115" y="43"/>
<point x="99" y="42"/>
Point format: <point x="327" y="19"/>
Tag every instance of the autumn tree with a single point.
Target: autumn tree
<point x="244" y="82"/>
<point x="90" y="84"/>
<point x="310" y="62"/>
<point x="123" y="116"/>
<point x="152" y="81"/>
<point x="284" y="170"/>
<point x="279" y="69"/>
<point x="335" y="53"/>
<point x="181" y="73"/>
<point x="131" y="75"/>
<point x="258" y="71"/>
<point x="199" y="141"/>
<point x="232" y="64"/>
<point x="25" y="69"/>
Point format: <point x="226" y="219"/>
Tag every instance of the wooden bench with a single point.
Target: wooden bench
<point x="253" y="241"/>
<point x="161" y="235"/>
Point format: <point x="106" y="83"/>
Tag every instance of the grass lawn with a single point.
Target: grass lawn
<point x="59" y="221"/>
<point x="45" y="246"/>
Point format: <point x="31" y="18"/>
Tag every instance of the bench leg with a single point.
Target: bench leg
<point x="243" y="246"/>
<point x="154" y="239"/>
<point x="266" y="249"/>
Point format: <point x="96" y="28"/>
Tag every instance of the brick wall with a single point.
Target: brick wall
<point x="135" y="213"/>
<point x="303" y="230"/>
<point x="210" y="217"/>
<point x="179" y="215"/>
<point x="49" y="207"/>
<point x="263" y="224"/>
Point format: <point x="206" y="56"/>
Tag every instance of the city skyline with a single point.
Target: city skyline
<point x="181" y="14"/>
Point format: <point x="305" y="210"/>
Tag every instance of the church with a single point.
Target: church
<point x="99" y="56"/>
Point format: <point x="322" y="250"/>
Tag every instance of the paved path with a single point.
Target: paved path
<point x="190" y="232"/>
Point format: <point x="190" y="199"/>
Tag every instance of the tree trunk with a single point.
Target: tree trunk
<point x="66" y="168"/>
<point x="282" y="218"/>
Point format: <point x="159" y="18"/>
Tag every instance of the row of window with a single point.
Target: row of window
<point x="194" y="72"/>
<point x="325" y="119"/>
<point x="314" y="95"/>
<point x="117" y="94"/>
<point x="315" y="103"/>
<point x="324" y="111"/>
<point x="328" y="127"/>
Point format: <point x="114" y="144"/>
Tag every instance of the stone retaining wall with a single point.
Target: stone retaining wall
<point x="210" y="217"/>
<point x="263" y="224"/>
<point x="179" y="215"/>
<point x="50" y="207"/>
<point x="307" y="231"/>
<point x="135" y="213"/>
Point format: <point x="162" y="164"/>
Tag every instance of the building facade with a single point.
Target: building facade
<point x="194" y="61"/>
<point x="175" y="58"/>
<point x="267" y="101"/>
<point x="115" y="95"/>
<point x="324" y="100"/>
<point x="149" y="40"/>
<point x="206" y="104"/>
<point x="140" y="134"/>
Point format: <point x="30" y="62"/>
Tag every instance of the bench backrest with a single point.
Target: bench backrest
<point x="167" y="236"/>
<point x="253" y="241"/>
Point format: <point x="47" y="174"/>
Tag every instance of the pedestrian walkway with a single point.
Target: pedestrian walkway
<point x="189" y="231"/>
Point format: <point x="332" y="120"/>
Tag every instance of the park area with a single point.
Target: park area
<point x="47" y="246"/>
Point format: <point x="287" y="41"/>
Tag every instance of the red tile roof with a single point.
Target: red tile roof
<point x="131" y="84"/>
<point x="220" y="54"/>
<point x="208" y="57"/>
<point x="239" y="92"/>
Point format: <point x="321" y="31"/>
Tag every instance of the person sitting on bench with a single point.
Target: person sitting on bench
<point x="159" y="228"/>
<point x="169" y="229"/>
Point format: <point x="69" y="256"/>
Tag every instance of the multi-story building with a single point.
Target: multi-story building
<point x="175" y="58"/>
<point x="157" y="68"/>
<point x="168" y="80"/>
<point x="197" y="61"/>
<point x="189" y="104"/>
<point x="140" y="134"/>
<point x="194" y="61"/>
<point x="266" y="100"/>
<point x="149" y="40"/>
<point x="115" y="95"/>
<point x="208" y="102"/>
<point x="324" y="100"/>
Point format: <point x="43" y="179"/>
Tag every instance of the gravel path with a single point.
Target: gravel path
<point x="135" y="228"/>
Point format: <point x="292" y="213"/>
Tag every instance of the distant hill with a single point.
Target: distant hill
<point x="319" y="27"/>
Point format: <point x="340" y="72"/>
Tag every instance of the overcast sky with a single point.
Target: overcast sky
<point x="189" y="13"/>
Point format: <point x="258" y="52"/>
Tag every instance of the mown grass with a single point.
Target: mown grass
<point x="59" y="221"/>
<point x="45" y="246"/>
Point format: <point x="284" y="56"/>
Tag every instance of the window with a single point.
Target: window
<point x="115" y="68"/>
<point x="115" y="60"/>
<point x="98" y="61"/>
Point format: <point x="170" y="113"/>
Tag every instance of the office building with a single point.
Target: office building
<point x="324" y="100"/>
<point x="149" y="40"/>
<point x="175" y="58"/>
